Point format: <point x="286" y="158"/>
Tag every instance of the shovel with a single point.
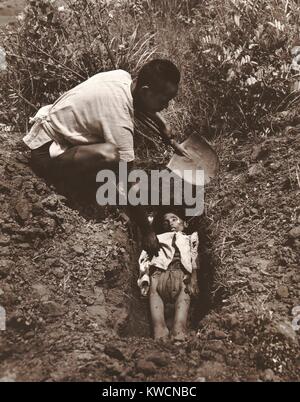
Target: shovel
<point x="201" y="157"/>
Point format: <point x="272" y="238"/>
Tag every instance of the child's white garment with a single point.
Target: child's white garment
<point x="186" y="244"/>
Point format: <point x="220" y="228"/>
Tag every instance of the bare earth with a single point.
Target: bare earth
<point x="68" y="275"/>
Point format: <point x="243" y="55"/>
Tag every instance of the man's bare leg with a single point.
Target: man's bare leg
<point x="87" y="158"/>
<point x="182" y="306"/>
<point x="160" y="328"/>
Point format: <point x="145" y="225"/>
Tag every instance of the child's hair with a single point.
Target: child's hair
<point x="158" y="218"/>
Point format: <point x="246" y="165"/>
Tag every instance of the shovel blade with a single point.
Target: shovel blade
<point x="202" y="157"/>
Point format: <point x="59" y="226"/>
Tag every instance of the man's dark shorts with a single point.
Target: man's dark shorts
<point x="41" y="162"/>
<point x="56" y="172"/>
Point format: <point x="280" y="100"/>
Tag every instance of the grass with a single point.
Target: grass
<point x="234" y="56"/>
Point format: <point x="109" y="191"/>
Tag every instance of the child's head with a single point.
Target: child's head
<point x="173" y="223"/>
<point x="170" y="220"/>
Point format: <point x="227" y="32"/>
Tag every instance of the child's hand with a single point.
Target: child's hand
<point x="145" y="289"/>
<point x="193" y="285"/>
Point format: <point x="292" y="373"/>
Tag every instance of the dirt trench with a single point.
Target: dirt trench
<point x="68" y="284"/>
<point x="68" y="278"/>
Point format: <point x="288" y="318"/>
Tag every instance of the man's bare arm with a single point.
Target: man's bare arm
<point x="139" y="215"/>
<point x="166" y="133"/>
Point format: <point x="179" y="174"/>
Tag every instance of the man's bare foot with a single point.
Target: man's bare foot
<point x="161" y="332"/>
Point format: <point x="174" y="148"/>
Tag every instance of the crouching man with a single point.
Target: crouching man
<point x="90" y="127"/>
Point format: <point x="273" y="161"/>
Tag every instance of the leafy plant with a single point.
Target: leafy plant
<point x="241" y="68"/>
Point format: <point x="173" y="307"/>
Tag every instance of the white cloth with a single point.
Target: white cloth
<point x="186" y="244"/>
<point x="42" y="132"/>
<point x="98" y="110"/>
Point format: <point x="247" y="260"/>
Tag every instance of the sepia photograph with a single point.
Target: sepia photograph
<point x="149" y="194"/>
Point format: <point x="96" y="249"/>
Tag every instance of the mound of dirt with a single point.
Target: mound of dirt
<point x="67" y="278"/>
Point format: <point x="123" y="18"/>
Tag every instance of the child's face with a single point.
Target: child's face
<point x="172" y="223"/>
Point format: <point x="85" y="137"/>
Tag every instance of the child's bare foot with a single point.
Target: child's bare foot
<point x="179" y="335"/>
<point x="161" y="332"/>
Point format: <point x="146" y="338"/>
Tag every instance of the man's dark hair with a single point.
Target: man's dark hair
<point x="156" y="72"/>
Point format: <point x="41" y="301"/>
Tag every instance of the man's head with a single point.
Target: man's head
<point x="156" y="84"/>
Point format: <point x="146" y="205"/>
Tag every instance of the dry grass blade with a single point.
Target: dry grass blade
<point x="298" y="175"/>
<point x="142" y="51"/>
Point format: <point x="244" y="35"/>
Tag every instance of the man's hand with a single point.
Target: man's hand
<point x="150" y="243"/>
<point x="163" y="128"/>
<point x="166" y="133"/>
<point x="168" y="136"/>
<point x="138" y="214"/>
<point x="179" y="149"/>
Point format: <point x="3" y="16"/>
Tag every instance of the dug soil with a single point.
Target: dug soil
<point x="68" y="277"/>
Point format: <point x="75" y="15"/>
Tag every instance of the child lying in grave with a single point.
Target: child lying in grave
<point x="170" y="277"/>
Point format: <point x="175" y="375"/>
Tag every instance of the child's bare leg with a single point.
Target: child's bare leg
<point x="182" y="306"/>
<point x="160" y="328"/>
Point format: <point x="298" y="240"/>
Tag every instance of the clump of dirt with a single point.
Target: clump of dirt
<point x="67" y="278"/>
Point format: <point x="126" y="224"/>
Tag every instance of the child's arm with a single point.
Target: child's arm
<point x="193" y="286"/>
<point x="194" y="244"/>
